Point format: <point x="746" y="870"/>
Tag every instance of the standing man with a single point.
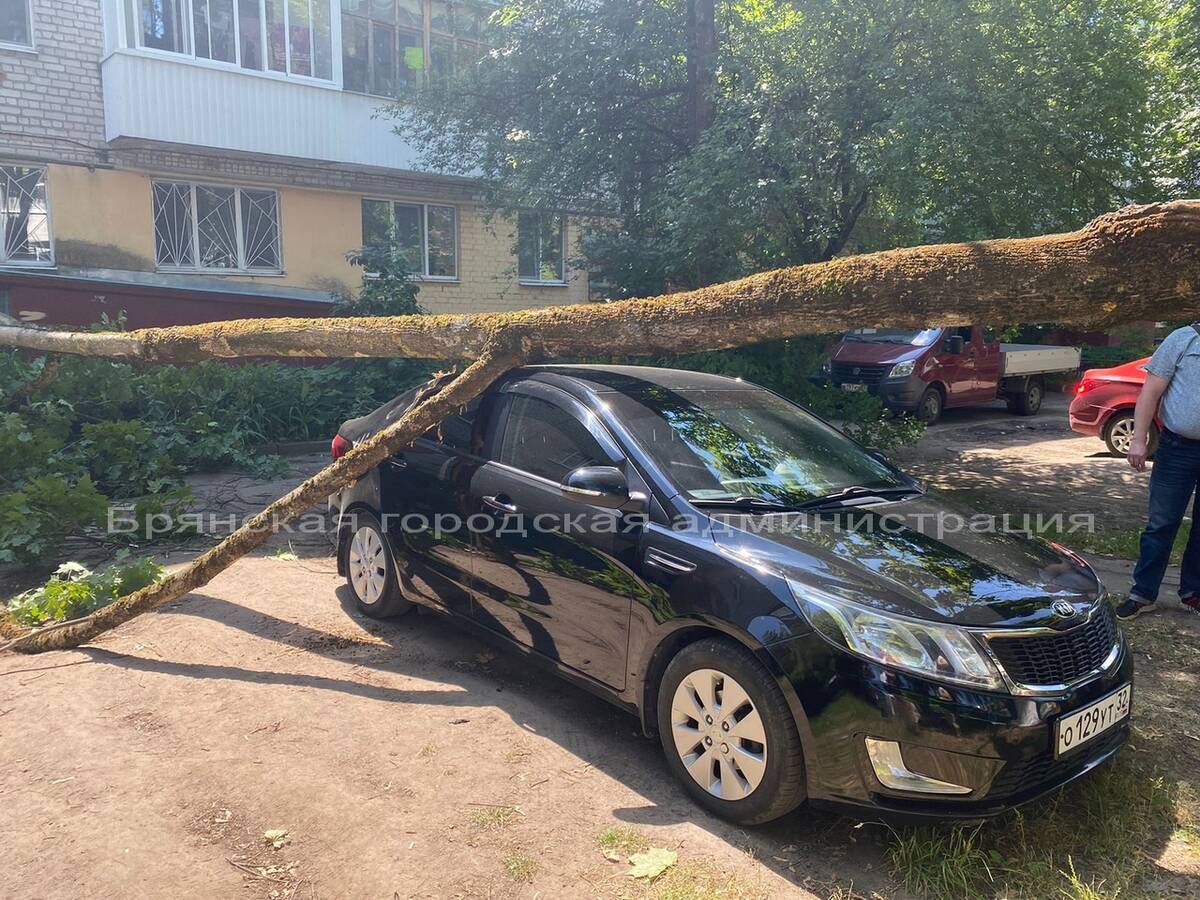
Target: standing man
<point x="1172" y="377"/>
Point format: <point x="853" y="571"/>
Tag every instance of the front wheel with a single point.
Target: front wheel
<point x="728" y="733"/>
<point x="929" y="409"/>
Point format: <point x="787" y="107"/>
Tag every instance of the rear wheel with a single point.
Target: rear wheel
<point x="1118" y="434"/>
<point x="728" y="733"/>
<point x="929" y="409"/>
<point x="371" y="571"/>
<point x="1028" y="401"/>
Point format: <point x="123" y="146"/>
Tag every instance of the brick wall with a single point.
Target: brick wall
<point x="51" y="106"/>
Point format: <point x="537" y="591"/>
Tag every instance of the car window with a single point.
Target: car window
<point x="464" y="430"/>
<point x="546" y="440"/>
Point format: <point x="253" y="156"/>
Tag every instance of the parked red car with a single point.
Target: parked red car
<point x="1103" y="405"/>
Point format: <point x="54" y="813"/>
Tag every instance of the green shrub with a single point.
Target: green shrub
<point x="74" y="590"/>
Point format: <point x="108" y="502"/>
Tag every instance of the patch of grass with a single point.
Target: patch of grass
<point x="700" y="881"/>
<point x="1088" y="842"/>
<point x="492" y="818"/>
<point x="1122" y="543"/>
<point x="622" y="841"/>
<point x="429" y="751"/>
<point x="520" y="866"/>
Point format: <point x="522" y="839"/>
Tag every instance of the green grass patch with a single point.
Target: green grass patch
<point x="520" y="866"/>
<point x="1091" y="840"/>
<point x="1122" y="543"/>
<point x="621" y="841"/>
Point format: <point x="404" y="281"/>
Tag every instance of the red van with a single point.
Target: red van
<point x="926" y="370"/>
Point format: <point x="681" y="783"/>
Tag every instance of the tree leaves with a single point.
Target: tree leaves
<point x="651" y="863"/>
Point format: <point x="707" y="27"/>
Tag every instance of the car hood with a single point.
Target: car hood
<point x="924" y="558"/>
<point x="871" y="354"/>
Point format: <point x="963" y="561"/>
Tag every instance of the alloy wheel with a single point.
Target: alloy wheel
<point x="719" y="734"/>
<point x="368" y="565"/>
<point x="1121" y="434"/>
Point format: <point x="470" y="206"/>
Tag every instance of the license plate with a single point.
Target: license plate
<point x="1081" y="726"/>
<point x="854" y="387"/>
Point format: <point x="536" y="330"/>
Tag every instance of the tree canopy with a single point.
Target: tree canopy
<point x="829" y="126"/>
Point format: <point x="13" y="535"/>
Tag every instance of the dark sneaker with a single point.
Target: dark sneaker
<point x="1134" y="607"/>
<point x="1192" y="603"/>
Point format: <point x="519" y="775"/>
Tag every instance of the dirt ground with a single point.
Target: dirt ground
<point x="407" y="759"/>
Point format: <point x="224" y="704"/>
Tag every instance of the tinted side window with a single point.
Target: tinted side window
<point x="543" y="439"/>
<point x="464" y="430"/>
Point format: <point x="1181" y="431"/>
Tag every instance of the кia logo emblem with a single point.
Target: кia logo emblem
<point x="1063" y="608"/>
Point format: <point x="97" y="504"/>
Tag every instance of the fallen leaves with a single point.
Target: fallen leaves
<point x="276" y="837"/>
<point x="651" y="863"/>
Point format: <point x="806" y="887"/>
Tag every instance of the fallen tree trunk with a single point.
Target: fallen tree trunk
<point x="1142" y="262"/>
<point x="1137" y="263"/>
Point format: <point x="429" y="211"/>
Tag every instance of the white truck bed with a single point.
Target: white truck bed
<point x="1037" y="359"/>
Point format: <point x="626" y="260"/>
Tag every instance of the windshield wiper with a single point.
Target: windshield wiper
<point x="745" y="504"/>
<point x="857" y="492"/>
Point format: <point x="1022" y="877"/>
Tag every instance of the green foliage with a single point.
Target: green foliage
<point x="104" y="432"/>
<point x="835" y="126"/>
<point x="74" y="590"/>
<point x="389" y="286"/>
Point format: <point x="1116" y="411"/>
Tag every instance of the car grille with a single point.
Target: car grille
<point x="1043" y="772"/>
<point x="1051" y="659"/>
<point x="860" y="374"/>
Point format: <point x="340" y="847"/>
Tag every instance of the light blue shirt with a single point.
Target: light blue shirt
<point x="1177" y="359"/>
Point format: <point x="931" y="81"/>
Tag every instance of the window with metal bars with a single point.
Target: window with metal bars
<point x="24" y="217"/>
<point x="215" y="228"/>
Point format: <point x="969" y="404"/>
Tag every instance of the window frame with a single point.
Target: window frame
<point x="29" y="25"/>
<point x="5" y="262"/>
<point x="423" y="275"/>
<point x="556" y="397"/>
<point x="428" y="33"/>
<point x="239" y="224"/>
<point x="537" y="281"/>
<point x="130" y="32"/>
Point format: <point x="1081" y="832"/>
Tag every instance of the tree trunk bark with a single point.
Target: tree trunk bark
<point x="1142" y="262"/>
<point x="1137" y="263"/>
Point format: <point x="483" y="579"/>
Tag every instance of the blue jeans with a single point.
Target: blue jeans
<point x="1174" y="483"/>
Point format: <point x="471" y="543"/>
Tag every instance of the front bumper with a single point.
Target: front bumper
<point x="897" y="394"/>
<point x="1000" y="746"/>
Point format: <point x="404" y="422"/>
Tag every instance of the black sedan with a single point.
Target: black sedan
<point x="791" y="615"/>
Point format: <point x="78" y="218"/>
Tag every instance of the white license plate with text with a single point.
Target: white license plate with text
<point x="854" y="387"/>
<point x="1081" y="726"/>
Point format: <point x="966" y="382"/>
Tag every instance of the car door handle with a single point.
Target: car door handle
<point x="500" y="503"/>
<point x="398" y="461"/>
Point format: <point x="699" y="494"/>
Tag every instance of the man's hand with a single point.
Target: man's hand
<point x="1137" y="453"/>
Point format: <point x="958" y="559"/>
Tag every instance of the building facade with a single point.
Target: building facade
<point x="189" y="160"/>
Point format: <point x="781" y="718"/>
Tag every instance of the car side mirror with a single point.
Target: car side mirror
<point x="596" y="486"/>
<point x="879" y="455"/>
<point x="955" y="344"/>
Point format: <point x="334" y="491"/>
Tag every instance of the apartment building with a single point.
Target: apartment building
<point x="190" y="160"/>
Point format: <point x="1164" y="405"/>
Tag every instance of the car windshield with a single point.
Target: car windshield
<point x="922" y="338"/>
<point x="746" y="443"/>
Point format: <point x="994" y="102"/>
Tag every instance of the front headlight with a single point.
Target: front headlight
<point x="944" y="652"/>
<point x="902" y="369"/>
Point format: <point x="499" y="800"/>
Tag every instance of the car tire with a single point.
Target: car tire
<point x="371" y="569"/>
<point x="929" y="408"/>
<point x="750" y="752"/>
<point x="1028" y="401"/>
<point x="1118" y="432"/>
